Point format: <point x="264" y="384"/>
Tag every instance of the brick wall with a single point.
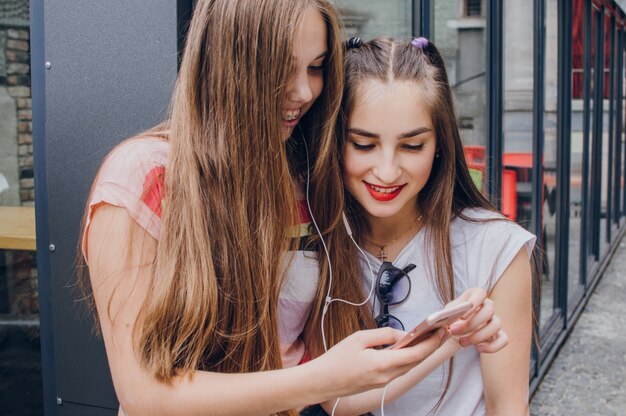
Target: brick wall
<point x="18" y="280"/>
<point x="15" y="83"/>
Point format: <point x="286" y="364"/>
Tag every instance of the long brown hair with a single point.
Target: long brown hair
<point x="449" y="189"/>
<point x="231" y="193"/>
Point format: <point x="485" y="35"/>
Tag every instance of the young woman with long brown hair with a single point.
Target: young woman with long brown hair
<point x="204" y="303"/>
<point x="411" y="200"/>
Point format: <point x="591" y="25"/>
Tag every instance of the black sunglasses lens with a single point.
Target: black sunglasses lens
<point x="386" y="320"/>
<point x="394" y="286"/>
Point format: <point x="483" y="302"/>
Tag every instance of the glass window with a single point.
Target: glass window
<point x="549" y="161"/>
<point x="577" y="148"/>
<point x="19" y="302"/>
<point x="589" y="216"/>
<point x="605" y="160"/>
<point x="18" y="277"/>
<point x="372" y="18"/>
<point x="614" y="139"/>
<point x="517" y="157"/>
<point x="462" y="42"/>
<point x="473" y="8"/>
<point x="619" y="120"/>
<point x="622" y="75"/>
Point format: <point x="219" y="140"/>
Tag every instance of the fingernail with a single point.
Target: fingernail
<point x="454" y="328"/>
<point x="464" y="342"/>
<point x="480" y="349"/>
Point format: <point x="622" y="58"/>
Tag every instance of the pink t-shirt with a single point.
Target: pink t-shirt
<point x="132" y="177"/>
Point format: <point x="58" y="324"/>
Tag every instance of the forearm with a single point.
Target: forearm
<point x="506" y="383"/>
<point x="205" y="393"/>
<point x="505" y="373"/>
<point x="508" y="409"/>
<point x="370" y="400"/>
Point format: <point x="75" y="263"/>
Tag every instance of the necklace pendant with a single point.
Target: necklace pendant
<point x="382" y="256"/>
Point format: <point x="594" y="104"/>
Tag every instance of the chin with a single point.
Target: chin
<point x="380" y="212"/>
<point x="286" y="134"/>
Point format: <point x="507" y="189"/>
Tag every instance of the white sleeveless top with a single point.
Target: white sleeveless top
<point x="481" y="252"/>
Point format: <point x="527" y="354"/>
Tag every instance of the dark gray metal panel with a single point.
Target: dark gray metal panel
<point x="74" y="409"/>
<point x="539" y="58"/>
<point x="112" y="68"/>
<point x="563" y="146"/>
<point x="495" y="91"/>
<point x="423" y="18"/>
<point x="585" y="247"/>
<point x="38" y="90"/>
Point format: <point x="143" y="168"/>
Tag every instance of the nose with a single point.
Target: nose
<point x="299" y="89"/>
<point x="388" y="170"/>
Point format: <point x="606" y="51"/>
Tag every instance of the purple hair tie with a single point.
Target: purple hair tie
<point x="419" y="43"/>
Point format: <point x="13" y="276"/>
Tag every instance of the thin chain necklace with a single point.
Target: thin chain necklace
<point x="382" y="255"/>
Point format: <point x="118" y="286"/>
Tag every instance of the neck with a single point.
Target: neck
<point x="384" y="230"/>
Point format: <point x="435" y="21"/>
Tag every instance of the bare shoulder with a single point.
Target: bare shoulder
<point x="116" y="240"/>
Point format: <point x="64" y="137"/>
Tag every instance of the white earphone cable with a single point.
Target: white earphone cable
<point x="329" y="299"/>
<point x="382" y="401"/>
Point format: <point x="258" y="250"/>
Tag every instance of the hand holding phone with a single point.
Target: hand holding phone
<point x="433" y="322"/>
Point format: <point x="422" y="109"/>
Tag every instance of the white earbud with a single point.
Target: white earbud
<point x="346" y="224"/>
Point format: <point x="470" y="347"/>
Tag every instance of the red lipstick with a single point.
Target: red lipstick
<point x="383" y="196"/>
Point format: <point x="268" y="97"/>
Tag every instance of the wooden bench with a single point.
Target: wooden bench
<point x="17" y="228"/>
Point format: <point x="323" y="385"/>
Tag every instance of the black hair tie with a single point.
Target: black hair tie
<point x="354" y="42"/>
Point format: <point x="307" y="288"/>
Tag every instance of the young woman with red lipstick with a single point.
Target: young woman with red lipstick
<point x="411" y="201"/>
<point x="208" y="294"/>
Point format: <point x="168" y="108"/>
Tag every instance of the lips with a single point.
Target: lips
<point x="383" y="193"/>
<point x="290" y="118"/>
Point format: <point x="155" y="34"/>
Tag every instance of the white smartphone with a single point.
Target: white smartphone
<point x="433" y="322"/>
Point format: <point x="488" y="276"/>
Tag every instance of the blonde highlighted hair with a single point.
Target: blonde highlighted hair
<point x="231" y="194"/>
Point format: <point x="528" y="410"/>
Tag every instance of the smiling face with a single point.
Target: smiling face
<point x="310" y="50"/>
<point x="390" y="148"/>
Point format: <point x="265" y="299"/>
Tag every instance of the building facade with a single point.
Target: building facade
<point x="540" y="97"/>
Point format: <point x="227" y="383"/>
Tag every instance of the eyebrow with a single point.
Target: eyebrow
<point x="321" y="55"/>
<point x="414" y="133"/>
<point x="365" y="133"/>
